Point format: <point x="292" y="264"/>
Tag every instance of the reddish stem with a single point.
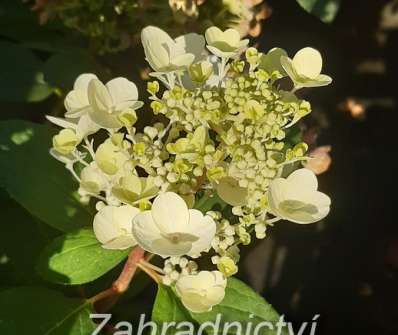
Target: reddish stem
<point x="122" y="283"/>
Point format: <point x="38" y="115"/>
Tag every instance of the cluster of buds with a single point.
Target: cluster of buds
<point x="224" y="135"/>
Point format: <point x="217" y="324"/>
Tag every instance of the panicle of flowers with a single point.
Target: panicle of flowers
<point x="224" y="133"/>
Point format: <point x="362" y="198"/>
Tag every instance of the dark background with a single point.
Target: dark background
<point x="345" y="268"/>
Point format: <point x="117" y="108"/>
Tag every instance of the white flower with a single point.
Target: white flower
<point x="224" y="44"/>
<point x="108" y="102"/>
<point x="271" y="61"/>
<point x="66" y="141"/>
<point x="171" y="229"/>
<point x="92" y="180"/>
<point x="112" y="226"/>
<point x="110" y="158"/>
<point x="305" y="68"/>
<point x="296" y="198"/>
<point x="76" y="101"/>
<point x="200" y="292"/>
<point x="165" y="54"/>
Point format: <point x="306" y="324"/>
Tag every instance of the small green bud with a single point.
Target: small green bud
<point x="253" y="110"/>
<point x="66" y="141"/>
<point x="156" y="106"/>
<point x="201" y="71"/>
<point x="139" y="148"/>
<point x="252" y="55"/>
<point x="238" y="66"/>
<point x="227" y="266"/>
<point x="153" y="87"/>
<point x="128" y="118"/>
<point x="215" y="173"/>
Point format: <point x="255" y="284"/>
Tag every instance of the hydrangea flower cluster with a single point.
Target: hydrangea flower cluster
<point x="223" y="135"/>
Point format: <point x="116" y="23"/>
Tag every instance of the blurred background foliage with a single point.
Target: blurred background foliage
<point x="345" y="269"/>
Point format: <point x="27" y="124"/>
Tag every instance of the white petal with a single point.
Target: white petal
<point x="183" y="60"/>
<point x="205" y="228"/>
<point x="76" y="103"/>
<point x="104" y="226"/>
<point x="166" y="248"/>
<point x="86" y="126"/>
<point x="61" y="122"/>
<point x="287" y="65"/>
<point x="101" y="102"/>
<point x="81" y="83"/>
<point x="232" y="37"/>
<point x="125" y="216"/>
<point x="152" y="33"/>
<point x="156" y="44"/>
<point x="303" y="179"/>
<point x="145" y="231"/>
<point x="122" y="90"/>
<point x="213" y="34"/>
<point x="276" y="194"/>
<point x="308" y="62"/>
<point x="98" y="96"/>
<point x="121" y="243"/>
<point x="229" y="190"/>
<point x="272" y="61"/>
<point x="170" y="213"/>
<point x="321" y="80"/>
<point x="192" y="43"/>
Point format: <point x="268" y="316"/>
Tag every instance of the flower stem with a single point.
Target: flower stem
<point x="122" y="283"/>
<point x="151" y="273"/>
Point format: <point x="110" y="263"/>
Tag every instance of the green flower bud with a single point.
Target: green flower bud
<point x="252" y="55"/>
<point x="227" y="266"/>
<point x="139" y="148"/>
<point x="156" y="107"/>
<point x="66" y="141"/>
<point x="215" y="173"/>
<point x="201" y="71"/>
<point x="128" y="118"/>
<point x="253" y="110"/>
<point x="300" y="149"/>
<point x="153" y="87"/>
<point x="238" y="66"/>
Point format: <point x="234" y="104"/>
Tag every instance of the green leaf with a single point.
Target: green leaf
<point x="39" y="311"/>
<point x="19" y="23"/>
<point x="325" y="10"/>
<point x="210" y="202"/>
<point x="62" y="69"/>
<point x="18" y="228"/>
<point x="21" y="75"/>
<point x="77" y="258"/>
<point x="240" y="304"/>
<point x="36" y="180"/>
<point x="168" y="308"/>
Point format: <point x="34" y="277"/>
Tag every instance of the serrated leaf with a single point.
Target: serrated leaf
<point x="77" y="258"/>
<point x="40" y="311"/>
<point x="243" y="305"/>
<point x="168" y="308"/>
<point x="325" y="10"/>
<point x="36" y="180"/>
